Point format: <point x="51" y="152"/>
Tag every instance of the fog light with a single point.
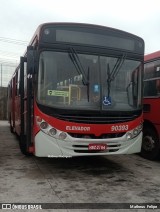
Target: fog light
<point x="62" y="135"/>
<point x="43" y="125"/>
<point x="52" y="131"/>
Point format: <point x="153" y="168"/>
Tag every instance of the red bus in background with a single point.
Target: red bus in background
<point x="78" y="91"/>
<point x="151" y="127"/>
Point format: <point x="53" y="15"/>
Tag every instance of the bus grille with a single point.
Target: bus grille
<point x="103" y="136"/>
<point x="92" y="119"/>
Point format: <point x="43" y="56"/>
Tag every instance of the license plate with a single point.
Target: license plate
<point x="96" y="147"/>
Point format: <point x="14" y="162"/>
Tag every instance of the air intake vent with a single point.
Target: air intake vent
<point x="99" y="119"/>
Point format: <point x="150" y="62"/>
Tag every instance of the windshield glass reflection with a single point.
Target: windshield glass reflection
<point x="88" y="82"/>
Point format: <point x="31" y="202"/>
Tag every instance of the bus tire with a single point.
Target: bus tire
<point x="10" y="126"/>
<point x="23" y="145"/>
<point x="11" y="129"/>
<point x="150" y="144"/>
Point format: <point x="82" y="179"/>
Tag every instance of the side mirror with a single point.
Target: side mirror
<point x="31" y="60"/>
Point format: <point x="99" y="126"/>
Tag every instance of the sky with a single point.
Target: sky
<point x="20" y="18"/>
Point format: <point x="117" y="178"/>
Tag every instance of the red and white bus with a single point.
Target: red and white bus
<point x="151" y="131"/>
<point x="78" y="92"/>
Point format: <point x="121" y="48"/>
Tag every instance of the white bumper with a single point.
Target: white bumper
<point x="47" y="146"/>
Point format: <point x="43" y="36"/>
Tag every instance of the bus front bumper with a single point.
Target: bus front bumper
<point x="47" y="146"/>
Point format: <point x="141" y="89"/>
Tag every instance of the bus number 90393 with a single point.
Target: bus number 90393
<point x="116" y="128"/>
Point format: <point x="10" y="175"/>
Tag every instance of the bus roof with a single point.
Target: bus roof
<point x="152" y="56"/>
<point x="102" y="27"/>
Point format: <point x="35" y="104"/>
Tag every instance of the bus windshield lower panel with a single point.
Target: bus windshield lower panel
<point x="67" y="80"/>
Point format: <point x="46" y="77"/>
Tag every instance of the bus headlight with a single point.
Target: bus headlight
<point x="133" y="133"/>
<point x="62" y="135"/>
<point x="129" y="136"/>
<point x="49" y="130"/>
<point x="140" y="127"/>
<point x="52" y="131"/>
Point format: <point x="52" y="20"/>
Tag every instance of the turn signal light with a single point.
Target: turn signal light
<point x="39" y="119"/>
<point x="43" y="125"/>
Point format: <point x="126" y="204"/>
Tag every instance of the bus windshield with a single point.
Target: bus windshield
<point x="70" y="80"/>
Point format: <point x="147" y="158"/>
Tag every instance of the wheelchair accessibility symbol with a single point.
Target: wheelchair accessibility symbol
<point x="107" y="101"/>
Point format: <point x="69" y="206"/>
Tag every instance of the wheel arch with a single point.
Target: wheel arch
<point x="149" y="124"/>
<point x="151" y="134"/>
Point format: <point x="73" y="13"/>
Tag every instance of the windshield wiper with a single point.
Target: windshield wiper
<point x="78" y="65"/>
<point x="80" y="69"/>
<point x="112" y="74"/>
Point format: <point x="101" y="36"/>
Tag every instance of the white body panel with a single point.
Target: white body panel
<point x="47" y="146"/>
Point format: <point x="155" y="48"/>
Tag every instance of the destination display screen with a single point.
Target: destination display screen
<point x="92" y="37"/>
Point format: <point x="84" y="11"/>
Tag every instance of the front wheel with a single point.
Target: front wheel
<point x="150" y="144"/>
<point x="23" y="145"/>
<point x="10" y="125"/>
